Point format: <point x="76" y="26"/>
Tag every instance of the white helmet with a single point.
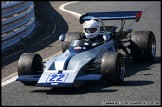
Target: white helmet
<point x="91" y="28"/>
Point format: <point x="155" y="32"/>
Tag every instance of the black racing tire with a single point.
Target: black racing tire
<point x="29" y="64"/>
<point x="143" y="46"/>
<point x="113" y="68"/>
<point x="69" y="38"/>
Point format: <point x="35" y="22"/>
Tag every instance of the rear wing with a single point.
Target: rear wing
<point x="117" y="15"/>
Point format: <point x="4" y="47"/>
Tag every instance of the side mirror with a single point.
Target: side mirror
<point x="129" y="30"/>
<point x="106" y="37"/>
<point x="62" y="37"/>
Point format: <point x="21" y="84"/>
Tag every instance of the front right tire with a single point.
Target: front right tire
<point x="29" y="64"/>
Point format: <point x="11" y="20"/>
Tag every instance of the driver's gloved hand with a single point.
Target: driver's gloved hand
<point x="94" y="44"/>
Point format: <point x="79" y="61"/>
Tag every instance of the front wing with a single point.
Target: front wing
<point x="57" y="78"/>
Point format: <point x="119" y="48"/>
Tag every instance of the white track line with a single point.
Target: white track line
<point x="14" y="76"/>
<point x="12" y="79"/>
<point x="77" y="15"/>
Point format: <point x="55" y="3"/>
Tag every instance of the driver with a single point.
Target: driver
<point x="91" y="30"/>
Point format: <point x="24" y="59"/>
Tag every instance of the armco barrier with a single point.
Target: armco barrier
<point x="17" y="21"/>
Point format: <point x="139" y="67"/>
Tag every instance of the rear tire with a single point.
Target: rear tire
<point x="143" y="46"/>
<point x="113" y="68"/>
<point x="69" y="38"/>
<point x="29" y="64"/>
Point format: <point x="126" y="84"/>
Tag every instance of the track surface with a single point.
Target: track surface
<point x="142" y="82"/>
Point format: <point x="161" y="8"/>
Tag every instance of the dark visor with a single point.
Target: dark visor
<point x="90" y="30"/>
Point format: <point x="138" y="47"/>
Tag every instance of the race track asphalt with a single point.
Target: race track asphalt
<point x="142" y="84"/>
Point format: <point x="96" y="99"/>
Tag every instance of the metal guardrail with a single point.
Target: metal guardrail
<point x="17" y="21"/>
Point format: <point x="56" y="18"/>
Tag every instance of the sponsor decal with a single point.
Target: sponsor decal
<point x="78" y="48"/>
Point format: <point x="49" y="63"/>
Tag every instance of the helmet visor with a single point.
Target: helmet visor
<point x="90" y="30"/>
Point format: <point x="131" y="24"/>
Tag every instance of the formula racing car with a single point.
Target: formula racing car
<point x="82" y="61"/>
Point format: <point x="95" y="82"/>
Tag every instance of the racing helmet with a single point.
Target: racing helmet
<point x="91" y="28"/>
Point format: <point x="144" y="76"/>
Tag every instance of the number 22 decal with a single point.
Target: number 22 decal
<point x="57" y="78"/>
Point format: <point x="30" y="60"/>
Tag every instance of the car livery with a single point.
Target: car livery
<point x="83" y="61"/>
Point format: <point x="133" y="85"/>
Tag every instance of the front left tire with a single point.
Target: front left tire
<point x="113" y="68"/>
